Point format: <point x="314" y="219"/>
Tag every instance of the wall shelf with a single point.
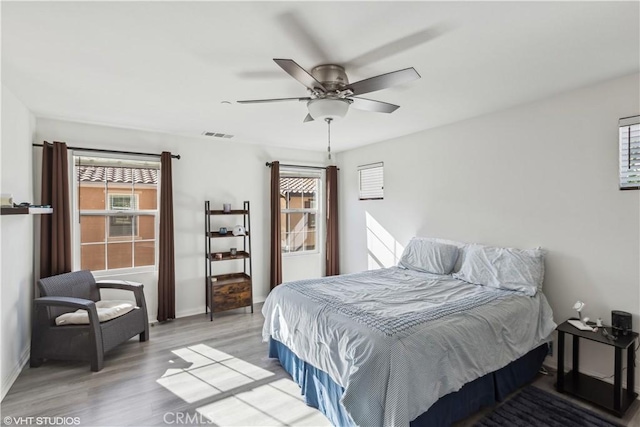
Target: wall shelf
<point x="26" y="211"/>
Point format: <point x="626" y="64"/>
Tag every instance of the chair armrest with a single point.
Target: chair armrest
<point x="135" y="287"/>
<point x="84" y="304"/>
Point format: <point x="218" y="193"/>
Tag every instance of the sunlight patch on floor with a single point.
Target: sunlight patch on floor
<point x="202" y="372"/>
<point x="221" y="377"/>
<point x="209" y="372"/>
<point x="273" y="404"/>
<point x="187" y="387"/>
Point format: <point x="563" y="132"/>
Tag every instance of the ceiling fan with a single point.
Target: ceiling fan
<point x="331" y="94"/>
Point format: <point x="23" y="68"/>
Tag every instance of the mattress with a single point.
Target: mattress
<point x="397" y="340"/>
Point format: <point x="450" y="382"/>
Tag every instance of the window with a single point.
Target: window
<point x="629" y="153"/>
<point x="371" y="181"/>
<point x="116" y="213"/>
<point x="123" y="225"/>
<point x="299" y="211"/>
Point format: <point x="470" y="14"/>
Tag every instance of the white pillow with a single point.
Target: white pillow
<point x="429" y="256"/>
<point x="506" y="268"/>
<point x="107" y="310"/>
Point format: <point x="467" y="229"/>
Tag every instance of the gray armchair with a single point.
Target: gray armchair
<point x="68" y="292"/>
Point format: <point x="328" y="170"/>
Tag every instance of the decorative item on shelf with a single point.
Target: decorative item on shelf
<point x="226" y="207"/>
<point x="233" y="252"/>
<point x="239" y="230"/>
<point x="223" y="230"/>
<point x="6" y="200"/>
<point x="218" y="255"/>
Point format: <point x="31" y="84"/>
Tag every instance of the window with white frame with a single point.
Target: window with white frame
<point x="371" y="181"/>
<point x="299" y="197"/>
<point x="116" y="213"/>
<point x="629" y="140"/>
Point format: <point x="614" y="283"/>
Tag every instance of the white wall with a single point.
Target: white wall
<point x="209" y="169"/>
<point x="16" y="234"/>
<point x="542" y="174"/>
<point x="302" y="266"/>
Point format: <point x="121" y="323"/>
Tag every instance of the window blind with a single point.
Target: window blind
<point x="371" y="181"/>
<point x="629" y="153"/>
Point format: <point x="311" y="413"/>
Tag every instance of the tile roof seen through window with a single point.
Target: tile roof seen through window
<point x="298" y="185"/>
<point x="117" y="174"/>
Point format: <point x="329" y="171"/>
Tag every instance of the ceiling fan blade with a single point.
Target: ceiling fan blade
<point x="300" y="74"/>
<point x="308" y="118"/>
<point x="397" y="46"/>
<point x="383" y="81"/>
<point x="298" y="30"/>
<point x="372" y="105"/>
<point x="260" y="101"/>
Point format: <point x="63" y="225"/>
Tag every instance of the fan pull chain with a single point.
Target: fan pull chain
<point x="328" y="120"/>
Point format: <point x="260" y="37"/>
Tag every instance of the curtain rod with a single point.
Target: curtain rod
<point x="98" y="150"/>
<point x="269" y="164"/>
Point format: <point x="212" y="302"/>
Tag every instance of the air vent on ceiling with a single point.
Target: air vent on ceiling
<point x="217" y="134"/>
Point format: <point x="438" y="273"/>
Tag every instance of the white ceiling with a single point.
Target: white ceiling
<point x="167" y="66"/>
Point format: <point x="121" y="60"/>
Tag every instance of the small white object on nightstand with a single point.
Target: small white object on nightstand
<point x="578" y="324"/>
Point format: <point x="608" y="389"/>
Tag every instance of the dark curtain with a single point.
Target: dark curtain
<point x="166" y="267"/>
<point x="55" y="229"/>
<point x="332" y="267"/>
<point x="276" y="243"/>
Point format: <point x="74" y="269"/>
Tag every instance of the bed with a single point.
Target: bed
<point x="412" y="344"/>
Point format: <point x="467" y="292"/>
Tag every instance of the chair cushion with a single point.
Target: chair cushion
<point x="107" y="310"/>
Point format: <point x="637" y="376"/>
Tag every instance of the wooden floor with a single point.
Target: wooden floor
<point x="191" y="372"/>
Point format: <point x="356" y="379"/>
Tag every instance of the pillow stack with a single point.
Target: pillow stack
<point x="429" y="256"/>
<point x="503" y="268"/>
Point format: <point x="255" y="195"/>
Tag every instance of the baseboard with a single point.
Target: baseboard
<point x="13" y="375"/>
<point x="190" y="312"/>
<point x="200" y="310"/>
<point x="552" y="362"/>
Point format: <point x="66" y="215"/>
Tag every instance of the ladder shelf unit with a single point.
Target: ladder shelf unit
<point x="230" y="290"/>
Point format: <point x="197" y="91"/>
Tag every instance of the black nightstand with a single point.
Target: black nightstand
<point x="613" y="398"/>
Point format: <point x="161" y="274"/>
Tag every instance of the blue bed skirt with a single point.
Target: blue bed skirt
<point x="322" y="392"/>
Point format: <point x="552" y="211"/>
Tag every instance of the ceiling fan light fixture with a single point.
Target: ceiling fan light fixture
<point x="333" y="109"/>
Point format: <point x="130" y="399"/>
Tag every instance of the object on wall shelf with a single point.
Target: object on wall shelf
<point x="233" y="290"/>
<point x="26" y="210"/>
<point x="6" y="200"/>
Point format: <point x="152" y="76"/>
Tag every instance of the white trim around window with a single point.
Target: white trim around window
<point x="107" y="213"/>
<point x="317" y="210"/>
